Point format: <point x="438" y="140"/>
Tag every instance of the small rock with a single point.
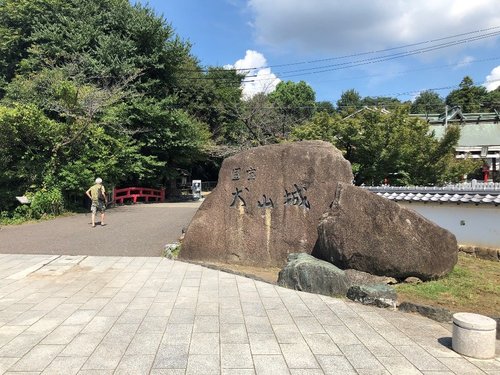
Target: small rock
<point x="497" y="319"/>
<point x="356" y="277"/>
<point x="487" y="253"/>
<point x="380" y="295"/>
<point x="467" y="249"/>
<point x="183" y="233"/>
<point x="412" y="280"/>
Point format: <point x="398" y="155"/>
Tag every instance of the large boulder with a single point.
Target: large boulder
<point x="267" y="204"/>
<point x="306" y="273"/>
<point x="369" y="233"/>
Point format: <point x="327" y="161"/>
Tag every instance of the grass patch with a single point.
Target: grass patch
<point x="472" y="286"/>
<point x="172" y="250"/>
<point x="18" y="220"/>
<point x="176" y="251"/>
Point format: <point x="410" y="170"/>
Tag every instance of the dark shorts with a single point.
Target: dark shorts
<point x="97" y="205"/>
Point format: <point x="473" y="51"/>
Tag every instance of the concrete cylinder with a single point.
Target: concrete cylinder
<point x="474" y="335"/>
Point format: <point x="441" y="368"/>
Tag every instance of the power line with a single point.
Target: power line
<point x="356" y="63"/>
<point x="345" y="65"/>
<point x="416" y="70"/>
<point x="390" y="49"/>
<point x="398" y="55"/>
<point x="365" y="53"/>
<point x="437" y="89"/>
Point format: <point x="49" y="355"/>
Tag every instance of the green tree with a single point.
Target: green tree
<point x="295" y="102"/>
<point x="325" y="106"/>
<point x="386" y="102"/>
<point x="26" y="137"/>
<point x="349" y="102"/>
<point x="492" y="101"/>
<point x="469" y="97"/>
<point x="110" y="75"/>
<point x="387" y="145"/>
<point x="213" y="97"/>
<point x="261" y="122"/>
<point x="17" y="21"/>
<point x="77" y="108"/>
<point x="427" y="102"/>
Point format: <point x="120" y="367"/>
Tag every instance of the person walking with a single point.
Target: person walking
<point x="97" y="195"/>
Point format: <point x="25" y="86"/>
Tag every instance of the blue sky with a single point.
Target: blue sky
<point x="335" y="45"/>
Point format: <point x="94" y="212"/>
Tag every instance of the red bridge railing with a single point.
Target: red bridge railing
<point x="136" y="193"/>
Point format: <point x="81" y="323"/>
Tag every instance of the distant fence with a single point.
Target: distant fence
<point x="136" y="194"/>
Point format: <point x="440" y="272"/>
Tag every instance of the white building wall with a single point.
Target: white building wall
<point x="472" y="225"/>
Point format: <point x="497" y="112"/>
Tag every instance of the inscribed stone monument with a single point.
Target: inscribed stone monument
<point x="267" y="204"/>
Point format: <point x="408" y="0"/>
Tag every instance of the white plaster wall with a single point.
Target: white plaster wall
<point x="472" y="225"/>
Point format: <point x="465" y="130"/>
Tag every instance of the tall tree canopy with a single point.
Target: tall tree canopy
<point x="113" y="80"/>
<point x="94" y="87"/>
<point x="325" y="106"/>
<point x="427" y="102"/>
<point x="469" y="97"/>
<point x="296" y="102"/>
<point x="386" y="102"/>
<point x="492" y="101"/>
<point x="349" y="102"/>
<point x="390" y="146"/>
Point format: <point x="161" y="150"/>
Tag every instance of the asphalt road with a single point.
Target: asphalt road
<point x="138" y="230"/>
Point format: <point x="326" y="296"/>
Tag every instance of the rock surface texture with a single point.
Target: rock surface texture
<point x="267" y="204"/>
<point x="308" y="274"/>
<point x="369" y="233"/>
<point x="380" y="295"/>
<point x="305" y="273"/>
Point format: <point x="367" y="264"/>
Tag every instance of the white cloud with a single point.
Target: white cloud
<point x="493" y="79"/>
<point x="253" y="60"/>
<point x="464" y="62"/>
<point x="339" y="26"/>
<point x="258" y="77"/>
<point x="264" y="81"/>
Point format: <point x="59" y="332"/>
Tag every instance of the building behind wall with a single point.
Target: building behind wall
<point x="479" y="135"/>
<point x="471" y="211"/>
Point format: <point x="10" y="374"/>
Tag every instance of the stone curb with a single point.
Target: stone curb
<point x="439" y="314"/>
<point x="485" y="253"/>
<point x="224" y="269"/>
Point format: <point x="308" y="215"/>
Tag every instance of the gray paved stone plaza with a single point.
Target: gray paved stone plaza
<point x="151" y="315"/>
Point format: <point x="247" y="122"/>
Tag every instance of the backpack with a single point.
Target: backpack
<point x="100" y="195"/>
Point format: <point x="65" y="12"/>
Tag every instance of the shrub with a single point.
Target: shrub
<point x="47" y="202"/>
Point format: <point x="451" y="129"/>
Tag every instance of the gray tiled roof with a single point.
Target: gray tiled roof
<point x="461" y="193"/>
